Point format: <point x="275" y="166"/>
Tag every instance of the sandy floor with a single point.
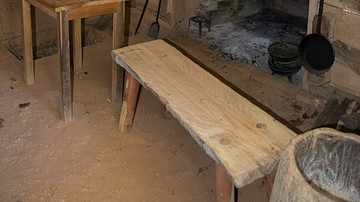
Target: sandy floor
<point x="44" y="159"/>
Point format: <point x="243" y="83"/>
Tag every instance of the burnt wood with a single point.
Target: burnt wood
<point x="330" y="108"/>
<point x="334" y="118"/>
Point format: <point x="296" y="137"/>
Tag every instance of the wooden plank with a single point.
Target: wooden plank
<point x="330" y="108"/>
<point x="73" y="4"/>
<point x="66" y="5"/>
<point x="131" y="95"/>
<point x="77" y="46"/>
<point x="91" y="11"/>
<point x="28" y="50"/>
<point x="51" y="7"/>
<point x="44" y="7"/>
<point x="65" y="66"/>
<point x="234" y="132"/>
<point x="6" y="18"/>
<point x="224" y="187"/>
<point x="334" y="118"/>
<point x="117" y="85"/>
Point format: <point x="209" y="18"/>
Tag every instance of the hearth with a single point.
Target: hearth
<point x="242" y="30"/>
<point x="247" y="39"/>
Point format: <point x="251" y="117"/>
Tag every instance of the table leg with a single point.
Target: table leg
<point x="128" y="108"/>
<point x="224" y="187"/>
<point x="77" y="47"/>
<point x="65" y="66"/>
<point x="118" y="41"/>
<point x="28" y="50"/>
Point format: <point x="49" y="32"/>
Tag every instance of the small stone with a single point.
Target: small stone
<point x="1" y="122"/>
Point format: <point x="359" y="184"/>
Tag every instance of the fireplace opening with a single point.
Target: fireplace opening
<point x="244" y="30"/>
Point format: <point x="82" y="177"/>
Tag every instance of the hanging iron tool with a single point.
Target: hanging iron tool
<point x="141" y="17"/>
<point x="316" y="52"/>
<point x="154" y="28"/>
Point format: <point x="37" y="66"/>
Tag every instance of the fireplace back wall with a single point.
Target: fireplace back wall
<point x="295" y="11"/>
<point x="178" y="12"/>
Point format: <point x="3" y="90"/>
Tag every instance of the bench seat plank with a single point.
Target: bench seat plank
<point x="238" y="135"/>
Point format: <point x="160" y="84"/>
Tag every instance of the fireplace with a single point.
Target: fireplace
<point x="288" y="21"/>
<point x="243" y="30"/>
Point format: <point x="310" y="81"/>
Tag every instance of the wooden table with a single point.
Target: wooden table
<point x="64" y="11"/>
<point x="245" y="141"/>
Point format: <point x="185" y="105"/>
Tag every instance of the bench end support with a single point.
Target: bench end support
<point x="131" y="94"/>
<point x="225" y="191"/>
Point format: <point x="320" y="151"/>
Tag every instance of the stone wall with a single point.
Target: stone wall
<point x="229" y="10"/>
<point x="296" y="11"/>
<point x="177" y="12"/>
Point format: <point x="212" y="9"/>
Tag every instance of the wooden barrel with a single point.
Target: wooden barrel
<point x="320" y="165"/>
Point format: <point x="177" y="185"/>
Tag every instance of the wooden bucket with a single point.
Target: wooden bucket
<point x="320" y="165"/>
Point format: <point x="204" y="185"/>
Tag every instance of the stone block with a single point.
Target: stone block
<point x="345" y="78"/>
<point x="209" y="5"/>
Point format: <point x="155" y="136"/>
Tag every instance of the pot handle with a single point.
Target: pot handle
<point x="283" y="44"/>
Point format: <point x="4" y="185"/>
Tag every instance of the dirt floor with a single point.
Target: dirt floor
<point x="44" y="159"/>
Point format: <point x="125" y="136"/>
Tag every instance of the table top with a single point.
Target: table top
<point x="236" y="133"/>
<point x="62" y="5"/>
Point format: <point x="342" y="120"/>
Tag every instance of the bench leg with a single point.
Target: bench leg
<point x="164" y="112"/>
<point x="28" y="49"/>
<point x="224" y="187"/>
<point x="128" y="108"/>
<point x="65" y="66"/>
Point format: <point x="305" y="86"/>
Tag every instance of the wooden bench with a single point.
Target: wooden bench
<point x="245" y="141"/>
<point x="65" y="11"/>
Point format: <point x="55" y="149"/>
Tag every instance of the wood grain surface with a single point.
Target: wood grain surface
<point x="238" y="135"/>
<point x="50" y="7"/>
